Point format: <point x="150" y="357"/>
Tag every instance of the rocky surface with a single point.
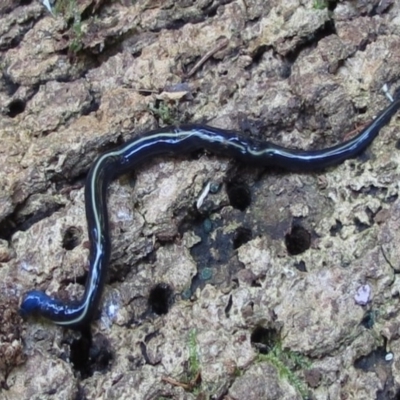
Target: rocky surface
<point x="278" y="285"/>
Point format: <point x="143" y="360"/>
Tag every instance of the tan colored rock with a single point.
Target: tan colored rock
<point x="297" y="73"/>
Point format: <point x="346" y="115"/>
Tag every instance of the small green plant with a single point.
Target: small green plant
<point x="287" y="363"/>
<point x="163" y="111"/>
<point x="320" y="4"/>
<point x="191" y="381"/>
<point x="194" y="361"/>
<point x="76" y="43"/>
<point x="70" y="11"/>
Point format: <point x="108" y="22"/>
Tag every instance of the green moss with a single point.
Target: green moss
<point x="69" y="10"/>
<point x="320" y="4"/>
<point x="164" y="112"/>
<point x="288" y="364"/>
<point x="194" y="361"/>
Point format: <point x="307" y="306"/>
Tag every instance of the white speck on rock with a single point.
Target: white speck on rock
<point x="389" y="356"/>
<point x="363" y="295"/>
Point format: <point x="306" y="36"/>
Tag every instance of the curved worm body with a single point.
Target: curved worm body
<point x="175" y="141"/>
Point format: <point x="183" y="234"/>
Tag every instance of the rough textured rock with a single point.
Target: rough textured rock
<point x="278" y="285"/>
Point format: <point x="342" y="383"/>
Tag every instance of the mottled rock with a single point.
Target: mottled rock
<point x="304" y="74"/>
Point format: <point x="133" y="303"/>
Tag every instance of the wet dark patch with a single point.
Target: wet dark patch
<point x="298" y="240"/>
<point x="241" y="236"/>
<point x="264" y="339"/>
<point x="15" y="108"/>
<point x="161" y="298"/>
<point x="368" y="320"/>
<point x="214" y="256"/>
<point x="239" y="195"/>
<point x="72" y="238"/>
<point x="369" y="362"/>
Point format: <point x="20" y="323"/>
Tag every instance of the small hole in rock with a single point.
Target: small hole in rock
<point x="264" y="339"/>
<point x="16" y="107"/>
<point x="241" y="236"/>
<point x="298" y="240"/>
<point x="160" y="298"/>
<point x="89" y="355"/>
<point x="79" y="354"/>
<point x="301" y="266"/>
<point x="239" y="195"/>
<point x="72" y="238"/>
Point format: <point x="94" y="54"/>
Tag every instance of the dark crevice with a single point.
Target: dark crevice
<point x="80" y="394"/>
<point x="369" y="362"/>
<point x="16" y="40"/>
<point x="14" y="222"/>
<point x="119" y="272"/>
<point x="360" y="226"/>
<point x="311" y="41"/>
<point x="391" y="199"/>
<point x="10" y="86"/>
<point x="92" y="107"/>
<point x="143" y="350"/>
<point x="90" y="354"/>
<point x="258" y="54"/>
<point x="172" y="23"/>
<point x="301" y="266"/>
<point x="368" y="320"/>
<point x="241" y="236"/>
<point x="196" y="283"/>
<point x="336" y="229"/>
<point x="79" y="280"/>
<point x="211" y="10"/>
<point x="228" y="307"/>
<point x="380" y="8"/>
